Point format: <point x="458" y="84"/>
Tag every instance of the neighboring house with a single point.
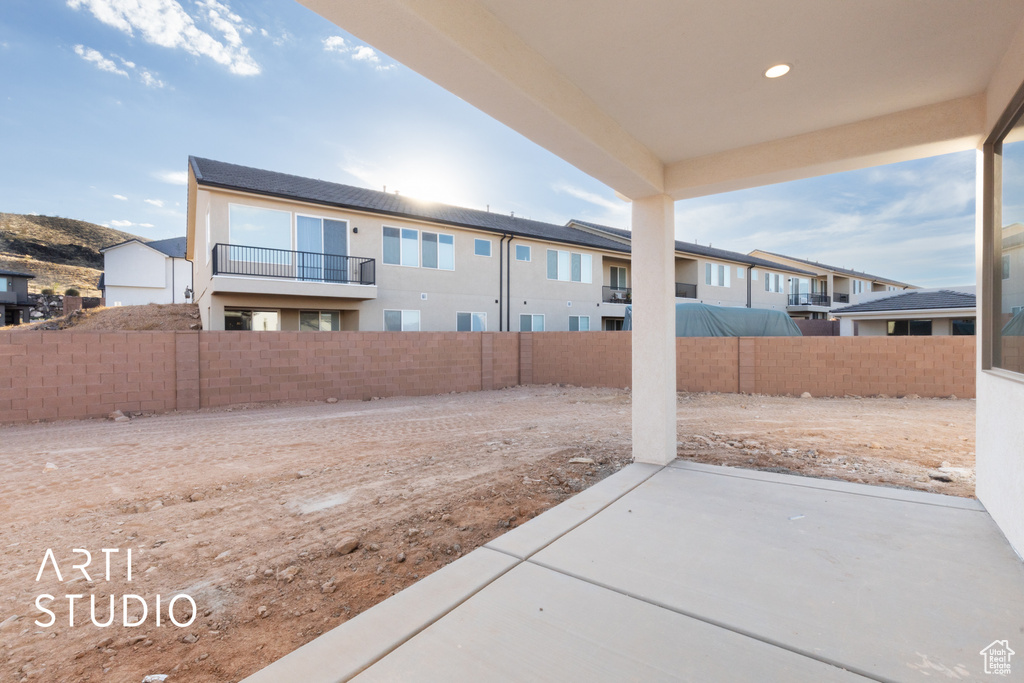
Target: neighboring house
<point x="718" y="276"/>
<point x="828" y="287"/>
<point x="281" y="252"/>
<point x="1011" y="282"/>
<point x="921" y="312"/>
<point x="137" y="272"/>
<point x="14" y="303"/>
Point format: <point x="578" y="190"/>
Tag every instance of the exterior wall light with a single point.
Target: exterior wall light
<point x="777" y="70"/>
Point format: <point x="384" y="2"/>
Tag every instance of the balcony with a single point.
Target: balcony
<point x="841" y="298"/>
<point x="686" y="291"/>
<point x="12" y="298"/>
<point x="303" y="273"/>
<point x="616" y="295"/>
<point x="810" y="299"/>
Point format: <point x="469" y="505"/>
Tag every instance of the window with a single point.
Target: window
<point x="1006" y="266"/>
<point x="569" y="266"/>
<point x="322" y="244"/>
<point x="914" y="328"/>
<point x="470" y="322"/>
<point x="401" y="321"/>
<point x="753" y="274"/>
<point x="531" y="323"/>
<point x="259" y="321"/>
<point x="716" y="274"/>
<point x="739" y="272"/>
<point x="618" y="277"/>
<point x="438" y="251"/>
<point x="522" y="252"/>
<point x="858" y="286"/>
<point x="773" y="283"/>
<point x="579" y="323"/>
<point x="963" y="327"/>
<point x="319" y="321"/>
<point x="4" y="287"/>
<point x="252" y="226"/>
<point x="482" y="247"/>
<point x="401" y="246"/>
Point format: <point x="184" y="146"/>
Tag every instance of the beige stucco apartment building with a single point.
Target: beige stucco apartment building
<point x="273" y="251"/>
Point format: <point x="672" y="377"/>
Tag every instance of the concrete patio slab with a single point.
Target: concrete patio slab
<point x="834" y="485"/>
<point x="702" y="573"/>
<point x="346" y="650"/>
<point x="535" y="624"/>
<point x="881" y="586"/>
<point x="527" y="539"/>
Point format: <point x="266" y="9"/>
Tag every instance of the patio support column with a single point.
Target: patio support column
<point x="654" y="330"/>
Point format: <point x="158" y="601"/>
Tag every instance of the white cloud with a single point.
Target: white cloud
<point x="358" y="53"/>
<point x="335" y="44"/>
<point x="97" y="58"/>
<point x="149" y="80"/>
<point x="129" y="224"/>
<point x="172" y="177"/>
<point x="155" y="202"/>
<point x="121" y="197"/>
<point x="166" y="23"/>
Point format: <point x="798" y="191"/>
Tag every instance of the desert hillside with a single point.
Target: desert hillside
<point x="60" y="252"/>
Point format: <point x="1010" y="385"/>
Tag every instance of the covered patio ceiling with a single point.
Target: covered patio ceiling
<point x="669" y="96"/>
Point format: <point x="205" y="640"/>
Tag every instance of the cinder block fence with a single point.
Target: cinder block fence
<point x="50" y="375"/>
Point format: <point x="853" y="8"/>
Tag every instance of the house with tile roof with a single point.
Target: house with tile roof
<point x="137" y="272"/>
<point x="278" y="251"/>
<point x="919" y="312"/>
<point x="14" y="303"/>
<point x="829" y="287"/>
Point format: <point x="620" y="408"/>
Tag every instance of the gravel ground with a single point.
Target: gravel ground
<point x="282" y="522"/>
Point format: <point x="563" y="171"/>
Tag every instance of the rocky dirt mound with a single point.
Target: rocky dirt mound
<point x="161" y="317"/>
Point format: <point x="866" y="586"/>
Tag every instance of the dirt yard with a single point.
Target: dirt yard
<point x="163" y="317"/>
<point x="254" y="512"/>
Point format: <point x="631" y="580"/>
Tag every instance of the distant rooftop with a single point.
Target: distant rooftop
<point x="173" y="246"/>
<point x="914" y="301"/>
<point x="15" y="273"/>
<point x="843" y="271"/>
<point x="699" y="249"/>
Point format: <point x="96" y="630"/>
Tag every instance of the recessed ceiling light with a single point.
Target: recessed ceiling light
<point x="777" y="70"/>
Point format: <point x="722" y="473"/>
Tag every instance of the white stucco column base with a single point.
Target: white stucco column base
<point x="654" y="330"/>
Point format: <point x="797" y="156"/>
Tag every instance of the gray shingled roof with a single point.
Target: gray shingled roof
<point x="700" y="250"/>
<point x="173" y="247"/>
<point x="212" y="173"/>
<point x="844" y="271"/>
<point x="912" y="301"/>
<point x="16" y="273"/>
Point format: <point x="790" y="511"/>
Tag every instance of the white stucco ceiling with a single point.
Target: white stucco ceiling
<point x="657" y="95"/>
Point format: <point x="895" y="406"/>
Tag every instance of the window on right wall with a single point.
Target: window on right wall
<point x="1007" y="277"/>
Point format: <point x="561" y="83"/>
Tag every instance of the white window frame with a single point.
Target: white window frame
<point x="753" y="274"/>
<point x="533" y="318"/>
<point x="401" y="254"/>
<point x="579" y="320"/>
<point x="477" y="241"/>
<point x="529" y="252"/>
<point x="473" y="318"/>
<point x="439" y="235"/>
<point x="563" y="266"/>
<point x="717" y="274"/>
<point x="405" y="314"/>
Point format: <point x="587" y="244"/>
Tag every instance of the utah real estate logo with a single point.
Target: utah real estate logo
<point x="997" y="657"/>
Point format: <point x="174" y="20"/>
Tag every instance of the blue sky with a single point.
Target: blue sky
<point x="103" y="101"/>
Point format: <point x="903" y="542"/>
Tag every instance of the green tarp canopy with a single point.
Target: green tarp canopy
<point x="704" y="320"/>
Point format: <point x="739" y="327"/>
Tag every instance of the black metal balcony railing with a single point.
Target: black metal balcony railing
<point x="809" y="299"/>
<point x="236" y="259"/>
<point x="616" y="295"/>
<point x="686" y="291"/>
<point x="841" y="298"/>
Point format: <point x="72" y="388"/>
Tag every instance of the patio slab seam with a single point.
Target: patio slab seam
<point x="895" y="494"/>
<point x="718" y="624"/>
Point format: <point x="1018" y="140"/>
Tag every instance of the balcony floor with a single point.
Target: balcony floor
<point x="702" y="573"/>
